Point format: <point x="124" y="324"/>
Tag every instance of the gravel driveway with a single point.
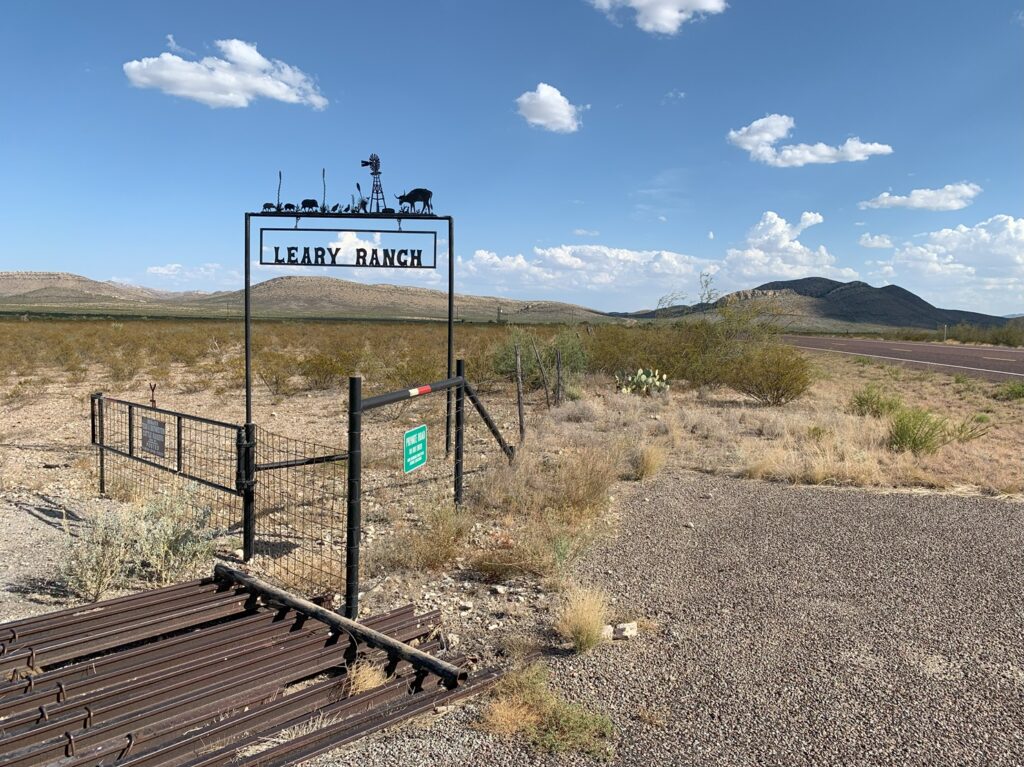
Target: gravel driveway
<point x="796" y="626"/>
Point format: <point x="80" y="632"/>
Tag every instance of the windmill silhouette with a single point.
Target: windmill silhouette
<point x="377" y="193"/>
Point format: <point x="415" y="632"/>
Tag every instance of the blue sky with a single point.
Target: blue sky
<point x="598" y="151"/>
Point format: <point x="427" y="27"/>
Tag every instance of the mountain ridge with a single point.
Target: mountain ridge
<point x="817" y="303"/>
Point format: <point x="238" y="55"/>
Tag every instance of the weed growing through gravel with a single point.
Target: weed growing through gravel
<point x="581" y="615"/>
<point x="522" y="703"/>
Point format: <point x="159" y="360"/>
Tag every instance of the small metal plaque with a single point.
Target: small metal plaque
<point x="154" y="437"/>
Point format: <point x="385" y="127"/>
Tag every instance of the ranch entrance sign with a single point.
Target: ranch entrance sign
<point x="315" y="235"/>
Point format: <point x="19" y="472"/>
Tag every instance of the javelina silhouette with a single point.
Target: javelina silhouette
<point x="310" y="205"/>
<point x="288" y="206"/>
<point x="268" y="206"/>
<point x="417" y="195"/>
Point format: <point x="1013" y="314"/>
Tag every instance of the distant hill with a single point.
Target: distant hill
<point x="823" y="304"/>
<point x="284" y="297"/>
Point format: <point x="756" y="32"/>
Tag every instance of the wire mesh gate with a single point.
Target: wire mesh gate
<point x="283" y="494"/>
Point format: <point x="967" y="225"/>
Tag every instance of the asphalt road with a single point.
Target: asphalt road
<point x="996" y="363"/>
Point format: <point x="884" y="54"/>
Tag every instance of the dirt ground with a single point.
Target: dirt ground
<point x="734" y="574"/>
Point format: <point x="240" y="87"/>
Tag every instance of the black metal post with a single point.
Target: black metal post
<point x="354" y="524"/>
<point x="247" y="455"/>
<point x="558" y="377"/>
<point x="519" y="396"/>
<point x="246" y="472"/>
<point x="100" y="437"/>
<point x="506" y="448"/>
<point x="179" y="436"/>
<point x="248" y="327"/>
<point x="131" y="430"/>
<point x="451" y="335"/>
<point x="460" y="421"/>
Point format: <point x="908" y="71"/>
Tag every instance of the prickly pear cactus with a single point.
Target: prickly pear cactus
<point x="644" y="382"/>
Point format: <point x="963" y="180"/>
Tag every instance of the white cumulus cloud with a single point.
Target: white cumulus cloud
<point x="759" y="139"/>
<point x="547" y="108"/>
<point x="663" y="17"/>
<point x="880" y="241"/>
<point x="773" y="252"/>
<point x="978" y="267"/>
<point x="235" y="80"/>
<point x="583" y="268"/>
<point x="950" y="197"/>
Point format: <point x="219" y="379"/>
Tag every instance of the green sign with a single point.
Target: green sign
<point x="415" y="444"/>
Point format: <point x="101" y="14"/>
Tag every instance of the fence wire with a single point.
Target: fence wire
<point x="300" y="513"/>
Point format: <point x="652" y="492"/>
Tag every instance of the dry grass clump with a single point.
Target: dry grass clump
<point x="363" y="676"/>
<point x="581" y="615"/>
<point x="643" y="461"/>
<point x="431" y="546"/>
<point x="523" y="704"/>
<point x="579" y="411"/>
<point x="98" y="560"/>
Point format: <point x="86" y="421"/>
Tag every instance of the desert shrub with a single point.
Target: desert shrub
<point x="574" y="354"/>
<point x="917" y="431"/>
<point x="160" y="542"/>
<point x="873" y="401"/>
<point x="1010" y="391"/>
<point x="436" y="543"/>
<point x="772" y="374"/>
<point x="275" y="370"/>
<point x="320" y="371"/>
<point x="99" y="559"/>
<point x="644" y="382"/>
<point x="522" y="703"/>
<point x="581" y="616"/>
<point x="173" y="541"/>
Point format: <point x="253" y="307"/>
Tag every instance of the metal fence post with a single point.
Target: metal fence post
<point x="460" y="419"/>
<point x="131" y="430"/>
<point x="354" y="524"/>
<point x="100" y="436"/>
<point x="246" y="473"/>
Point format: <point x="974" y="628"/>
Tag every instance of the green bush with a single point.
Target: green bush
<point x="320" y="371"/>
<point x="161" y="542"/>
<point x="1010" y="391"/>
<point x="99" y="559"/>
<point x="873" y="401"/>
<point x="918" y="431"/>
<point x="173" y="540"/>
<point x="772" y="374"/>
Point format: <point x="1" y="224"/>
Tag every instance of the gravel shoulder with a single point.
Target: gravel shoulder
<point x="793" y="625"/>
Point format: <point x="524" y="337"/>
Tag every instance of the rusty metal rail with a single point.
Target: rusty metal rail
<point x="202" y="673"/>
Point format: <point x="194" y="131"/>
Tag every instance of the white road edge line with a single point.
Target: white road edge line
<point x="903" y="359"/>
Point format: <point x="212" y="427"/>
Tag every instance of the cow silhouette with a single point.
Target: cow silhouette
<point x="422" y="196"/>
